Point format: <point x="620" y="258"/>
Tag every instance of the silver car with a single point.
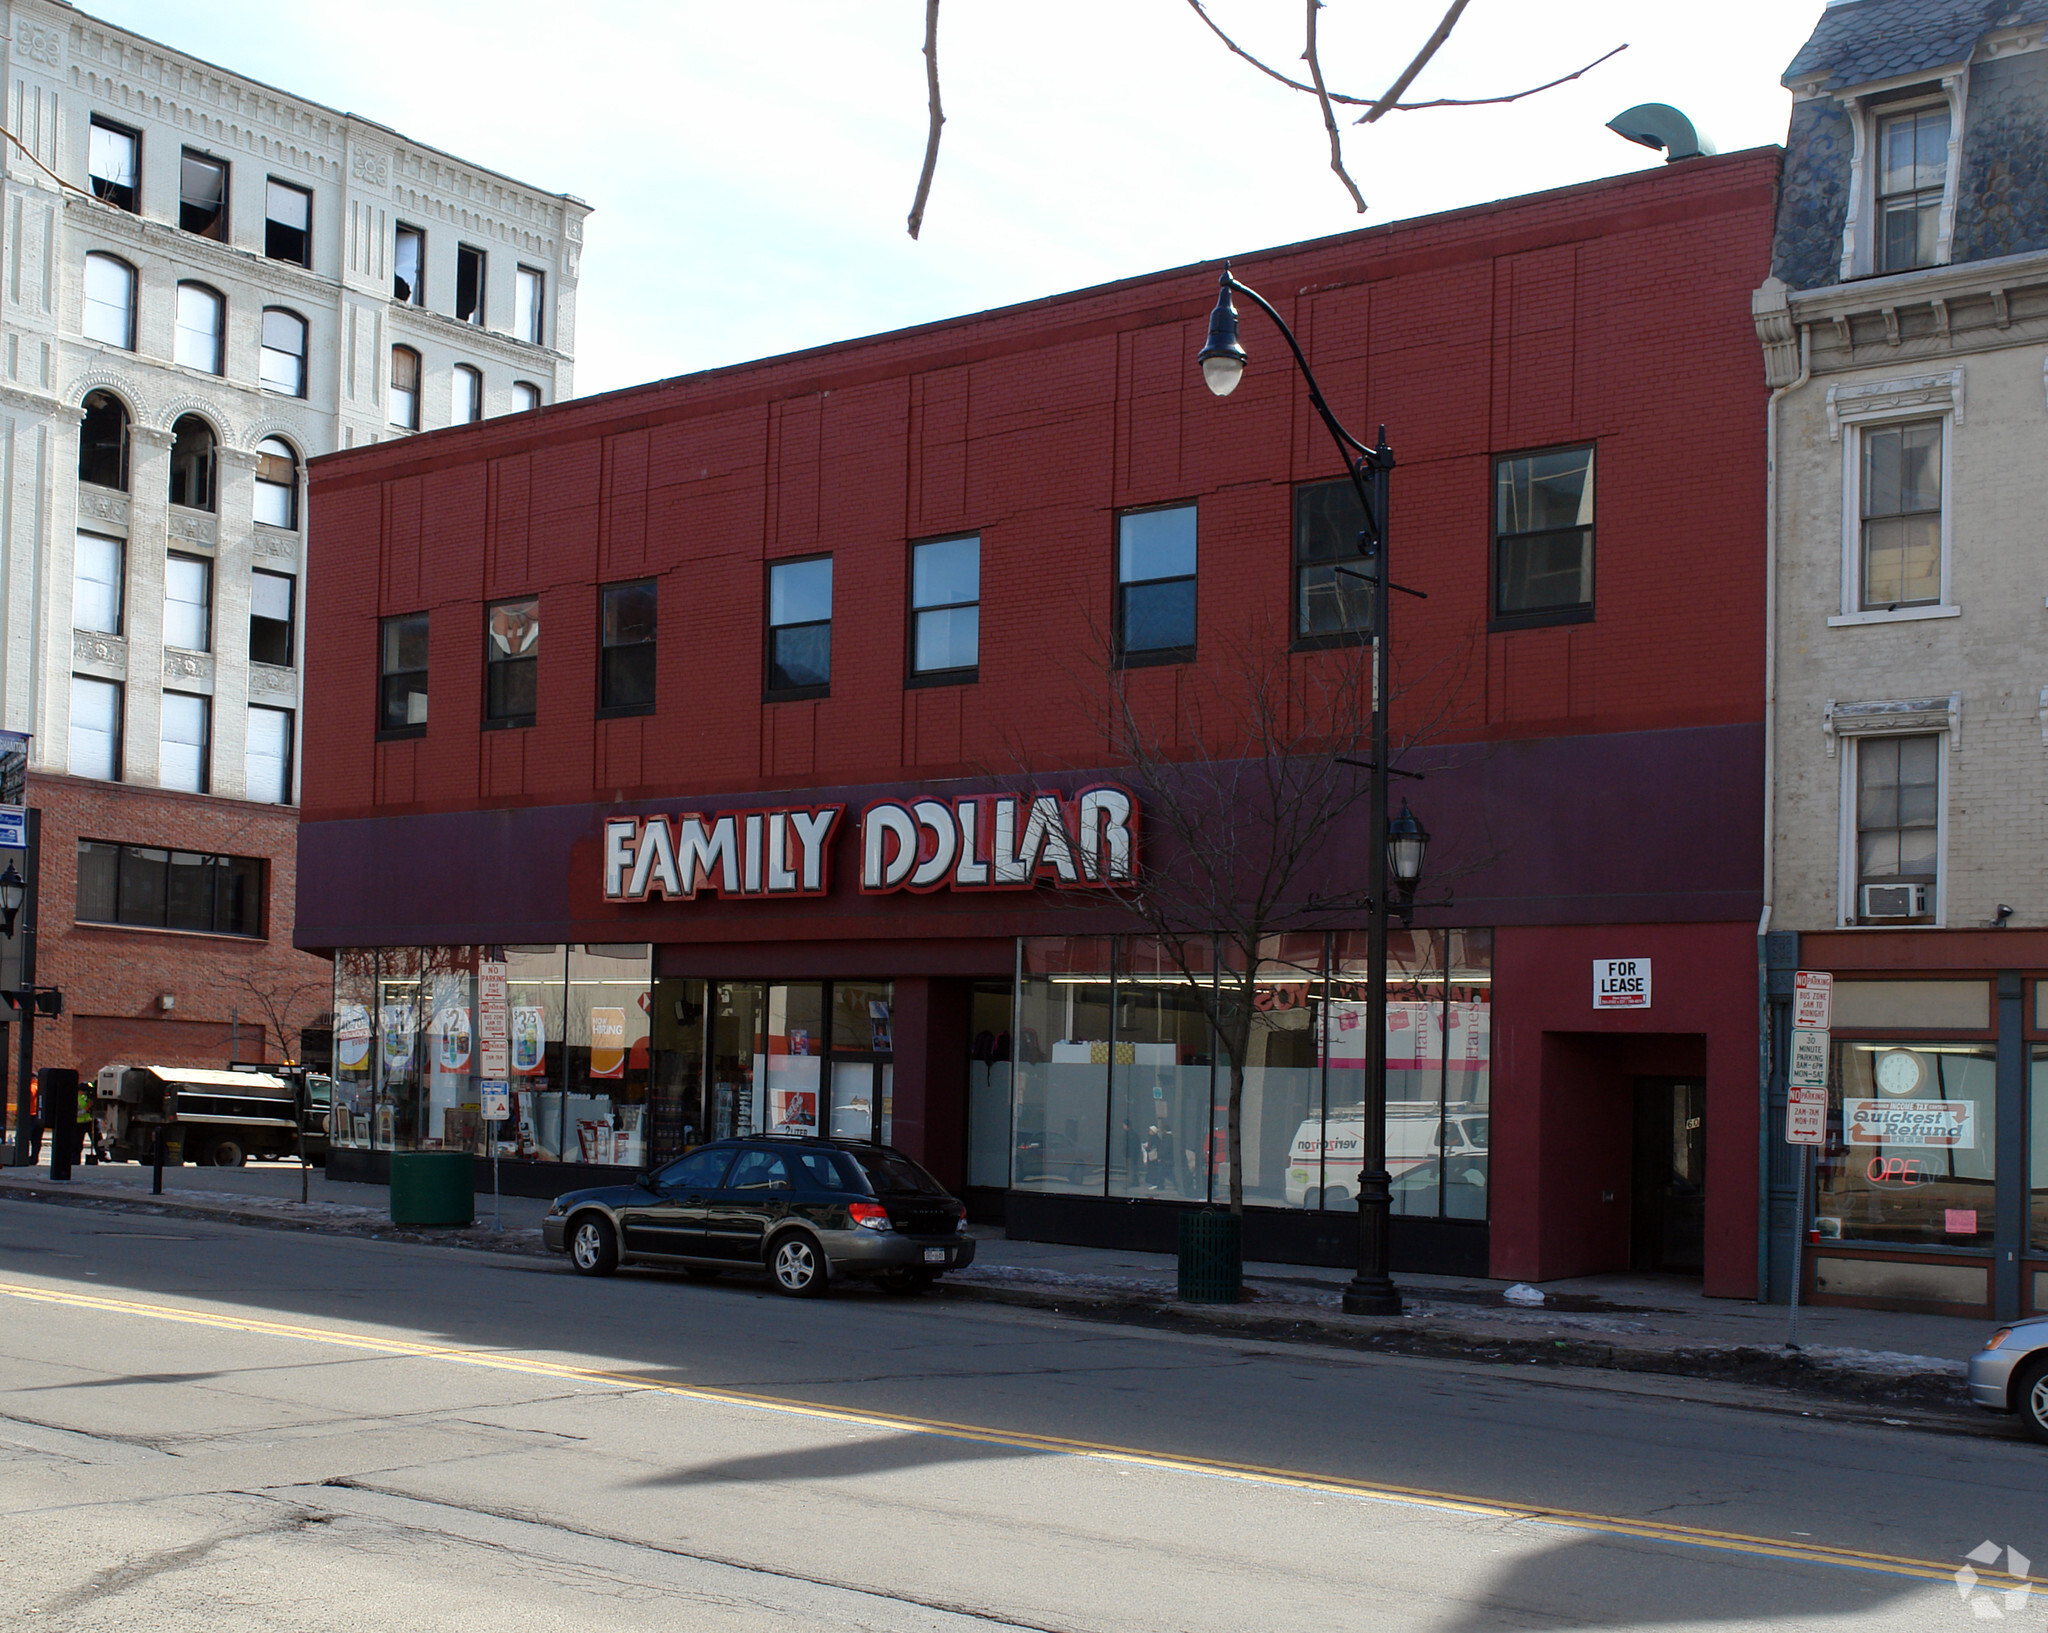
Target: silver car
<point x="2010" y="1374"/>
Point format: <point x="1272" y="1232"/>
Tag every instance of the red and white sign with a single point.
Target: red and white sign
<point x="1806" y="1117"/>
<point x="1621" y="983"/>
<point x="1813" y="1000"/>
<point x="493" y="1020"/>
<point x="1944" y="1124"/>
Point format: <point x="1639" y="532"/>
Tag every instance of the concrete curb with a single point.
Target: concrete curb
<point x="1271" y="1319"/>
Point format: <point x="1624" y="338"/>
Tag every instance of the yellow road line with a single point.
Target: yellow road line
<point x="1413" y="1496"/>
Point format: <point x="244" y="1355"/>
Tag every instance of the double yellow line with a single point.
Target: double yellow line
<point x="1809" y="1553"/>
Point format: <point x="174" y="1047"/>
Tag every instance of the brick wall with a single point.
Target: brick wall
<point x="1615" y="312"/>
<point x="113" y="978"/>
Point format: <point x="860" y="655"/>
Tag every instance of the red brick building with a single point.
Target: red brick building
<point x="884" y="572"/>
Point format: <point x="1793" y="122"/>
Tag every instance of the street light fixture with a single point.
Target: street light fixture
<point x="1394" y="851"/>
<point x="13" y="892"/>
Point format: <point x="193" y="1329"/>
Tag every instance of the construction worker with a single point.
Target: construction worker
<point x="89" y="1128"/>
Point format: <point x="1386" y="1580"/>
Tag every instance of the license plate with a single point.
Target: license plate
<point x="934" y="1255"/>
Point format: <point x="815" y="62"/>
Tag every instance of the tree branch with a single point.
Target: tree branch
<point x="1512" y="96"/>
<point x="1315" y="71"/>
<point x="931" y="143"/>
<point x="1429" y="49"/>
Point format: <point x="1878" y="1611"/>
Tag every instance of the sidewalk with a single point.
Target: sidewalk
<point x="1632" y="1323"/>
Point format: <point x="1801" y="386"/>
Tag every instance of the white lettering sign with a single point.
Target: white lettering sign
<point x="1806" y="1117"/>
<point x="1087" y="840"/>
<point x="1621" y="983"/>
<point x="1948" y="1124"/>
<point x="1813" y="1000"/>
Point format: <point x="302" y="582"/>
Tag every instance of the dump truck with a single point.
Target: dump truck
<point x="214" y="1119"/>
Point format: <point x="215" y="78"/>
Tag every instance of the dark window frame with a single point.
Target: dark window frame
<point x="620" y="711"/>
<point x="303" y="355"/>
<point x="133" y="206"/>
<point x="262" y="482"/>
<point x="385" y="677"/>
<point x="1300" y="640"/>
<point x="218" y="231"/>
<point x="271" y="224"/>
<point x="770" y="692"/>
<point x="220" y="332"/>
<point x="209" y="470"/>
<point x="464" y="253"/>
<point x="290" y="620"/>
<point x="417" y="389"/>
<point x="133" y="310"/>
<point x="1148" y="656"/>
<point x="127" y="424"/>
<point x="226" y="865"/>
<point x="1914" y="105"/>
<point x="418" y="296"/>
<point x="1498" y="622"/>
<point x="962" y="675"/>
<point x="498" y="667"/>
<point x="466" y="374"/>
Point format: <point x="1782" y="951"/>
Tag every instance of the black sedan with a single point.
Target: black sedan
<point x="805" y="1209"/>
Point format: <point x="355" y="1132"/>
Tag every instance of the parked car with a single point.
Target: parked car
<point x="809" y="1210"/>
<point x="2010" y="1374"/>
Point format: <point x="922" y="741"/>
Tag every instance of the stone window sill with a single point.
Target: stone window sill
<point x="1903" y="615"/>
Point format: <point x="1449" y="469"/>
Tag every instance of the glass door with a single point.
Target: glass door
<point x="863" y="1060"/>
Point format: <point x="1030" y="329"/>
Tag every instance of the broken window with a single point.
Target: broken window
<point x="408" y="267"/>
<point x="203" y="196"/>
<point x="113" y="155"/>
<point x="103" y="442"/>
<point x="270" y="618"/>
<point x="288" y="224"/>
<point x="469" y="285"/>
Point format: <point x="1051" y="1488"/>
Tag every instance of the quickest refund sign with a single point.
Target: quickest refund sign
<point x="1621" y="983"/>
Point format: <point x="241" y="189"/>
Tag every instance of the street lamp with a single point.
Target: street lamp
<point x="1394" y="851"/>
<point x="13" y="892"/>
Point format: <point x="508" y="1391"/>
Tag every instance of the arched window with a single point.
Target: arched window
<point x="277" y="484"/>
<point x="192" y="463"/>
<point x="201" y="314"/>
<point x="109" y="313"/>
<point x="103" y="442"/>
<point x="283" y="365"/>
<point x="405" y="388"/>
<point x="467" y="406"/>
<point x="524" y="396"/>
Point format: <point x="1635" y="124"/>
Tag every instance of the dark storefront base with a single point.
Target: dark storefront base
<point x="1431" y="1247"/>
<point x="359" y="1167"/>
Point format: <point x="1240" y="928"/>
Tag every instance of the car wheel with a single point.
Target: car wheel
<point x="701" y="1272"/>
<point x="593" y="1246"/>
<point x="907" y="1281"/>
<point x="797" y="1264"/>
<point x="2030" y="1398"/>
<point x="223" y="1153"/>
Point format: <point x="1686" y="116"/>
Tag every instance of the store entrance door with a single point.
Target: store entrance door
<point x="1669" y="1214"/>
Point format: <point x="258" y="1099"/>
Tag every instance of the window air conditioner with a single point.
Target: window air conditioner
<point x="1895" y="902"/>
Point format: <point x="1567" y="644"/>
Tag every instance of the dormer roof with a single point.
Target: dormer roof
<point x="1865" y="42"/>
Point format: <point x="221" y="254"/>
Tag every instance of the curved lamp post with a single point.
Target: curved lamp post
<point x="1394" y="850"/>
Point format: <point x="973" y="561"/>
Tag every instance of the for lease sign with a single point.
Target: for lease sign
<point x="1621" y="983"/>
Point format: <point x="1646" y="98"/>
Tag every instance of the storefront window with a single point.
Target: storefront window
<point x="1468" y="1073"/>
<point x="1062" y="1067"/>
<point x="1912" y="1153"/>
<point x="537" y="1008"/>
<point x="988" y="1084"/>
<point x="1281" y="1114"/>
<point x="2037" y="1124"/>
<point x="736" y="1015"/>
<point x="605" y="1055"/>
<point x="862" y="1060"/>
<point x="349" y="1119"/>
<point x="676" y="1068"/>
<point x="1160" y="1075"/>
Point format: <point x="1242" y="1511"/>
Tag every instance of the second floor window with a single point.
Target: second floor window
<point x="200" y="321"/>
<point x="108" y="315"/>
<point x="282" y="366"/>
<point x="405" y="388"/>
<point x="402" y="674"/>
<point x="469" y="284"/>
<point x="188" y="603"/>
<point x="529" y="305"/>
<point x="1912" y="174"/>
<point x="1155" y="583"/>
<point x="409" y="267"/>
<point x="270" y="618"/>
<point x="467" y="406"/>
<point x="945" y="607"/>
<point x="113" y="161"/>
<point x="1898" y="821"/>
<point x="1332" y="595"/>
<point x="162" y="889"/>
<point x="800" y="626"/>
<point x="1543" y="536"/>
<point x="203" y="196"/>
<point x="626" y="637"/>
<point x="288" y="223"/>
<point x="184" y="754"/>
<point x="1901" y="521"/>
<point x="97" y="582"/>
<point x="512" y="663"/>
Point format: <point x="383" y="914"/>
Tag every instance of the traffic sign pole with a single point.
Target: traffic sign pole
<point x="1806" y="1104"/>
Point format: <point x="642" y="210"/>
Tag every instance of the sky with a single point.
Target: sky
<point x="751" y="165"/>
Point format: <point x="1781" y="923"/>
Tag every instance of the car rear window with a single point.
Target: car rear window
<point x="892" y="1171"/>
<point x="830" y="1171"/>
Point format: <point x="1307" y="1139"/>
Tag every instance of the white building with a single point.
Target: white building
<point x="205" y="281"/>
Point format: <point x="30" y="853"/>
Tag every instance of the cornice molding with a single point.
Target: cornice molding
<point x="1895" y="718"/>
<point x="1883" y="399"/>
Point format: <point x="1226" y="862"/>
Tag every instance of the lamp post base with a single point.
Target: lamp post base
<point x="1372" y="1295"/>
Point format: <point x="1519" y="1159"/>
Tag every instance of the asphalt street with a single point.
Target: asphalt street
<point x="214" y="1427"/>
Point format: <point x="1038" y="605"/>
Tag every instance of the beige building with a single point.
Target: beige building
<point x="1905" y="336"/>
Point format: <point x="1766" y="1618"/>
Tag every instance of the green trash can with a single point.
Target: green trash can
<point x="1211" y="1257"/>
<point x="432" y="1188"/>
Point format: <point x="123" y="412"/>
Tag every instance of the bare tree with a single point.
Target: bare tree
<point x="1388" y="101"/>
<point x="283" y="999"/>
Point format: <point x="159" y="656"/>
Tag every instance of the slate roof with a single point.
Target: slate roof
<point x="1859" y="41"/>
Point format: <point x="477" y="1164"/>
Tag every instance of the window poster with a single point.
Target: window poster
<point x="529" y="1041"/>
<point x="1944" y="1124"/>
<point x="352" y="1032"/>
<point x="607" y="1043"/>
<point x="398" y="1029"/>
<point x="793" y="1111"/>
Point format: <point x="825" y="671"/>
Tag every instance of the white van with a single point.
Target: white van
<point x="1329" y="1154"/>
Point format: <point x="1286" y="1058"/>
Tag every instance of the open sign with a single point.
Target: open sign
<point x="1901" y="1171"/>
